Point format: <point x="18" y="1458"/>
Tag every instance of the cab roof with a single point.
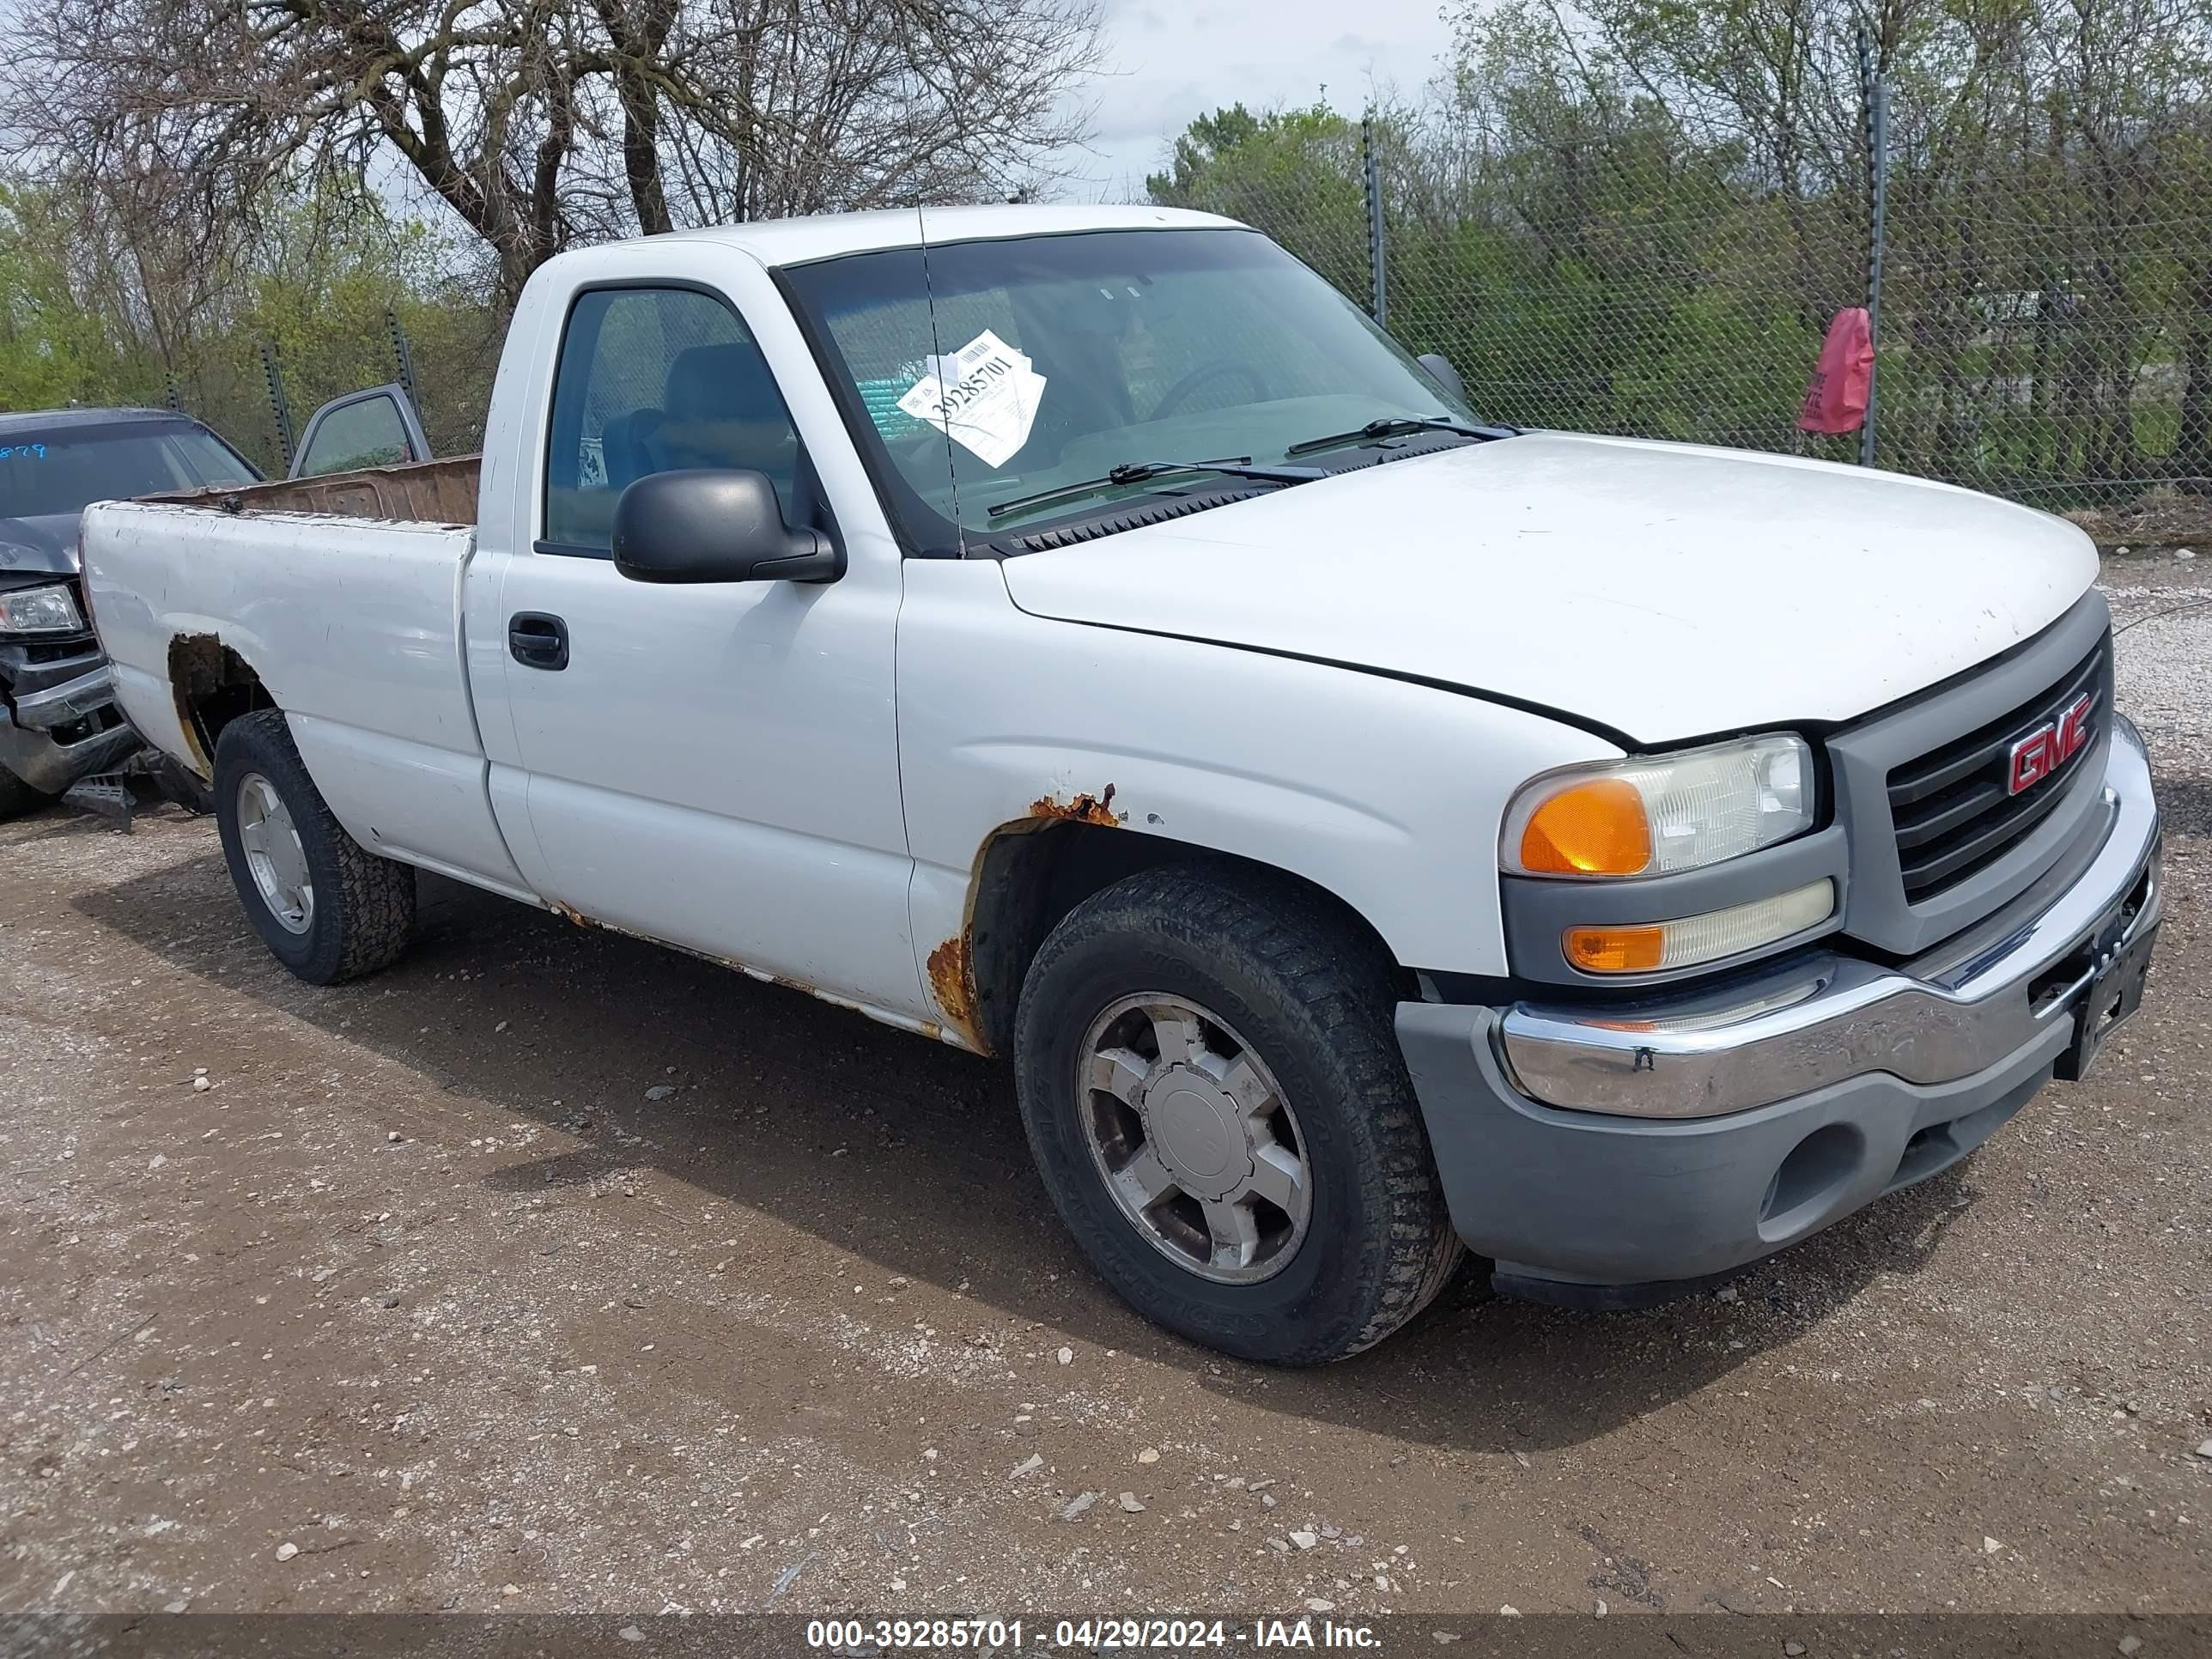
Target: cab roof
<point x="821" y="236"/>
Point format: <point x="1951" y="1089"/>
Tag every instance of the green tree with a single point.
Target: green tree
<point x="1295" y="173"/>
<point x="1640" y="216"/>
<point x="97" y="308"/>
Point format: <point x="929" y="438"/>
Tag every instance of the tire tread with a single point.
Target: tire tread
<point x="373" y="908"/>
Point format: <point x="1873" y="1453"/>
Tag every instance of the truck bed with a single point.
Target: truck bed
<point x="352" y="623"/>
<point x="424" y="492"/>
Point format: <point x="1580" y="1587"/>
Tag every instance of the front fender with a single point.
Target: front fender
<point x="1385" y="793"/>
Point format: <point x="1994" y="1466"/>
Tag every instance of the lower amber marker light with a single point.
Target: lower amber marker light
<point x="1616" y="950"/>
<point x="1652" y="946"/>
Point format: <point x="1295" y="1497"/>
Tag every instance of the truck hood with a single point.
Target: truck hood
<point x="44" y="544"/>
<point x="1662" y="590"/>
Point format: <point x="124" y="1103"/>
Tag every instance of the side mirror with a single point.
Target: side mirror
<point x="1441" y="372"/>
<point x="716" y="525"/>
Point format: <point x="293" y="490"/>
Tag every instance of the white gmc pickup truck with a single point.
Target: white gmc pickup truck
<point x="1079" y="635"/>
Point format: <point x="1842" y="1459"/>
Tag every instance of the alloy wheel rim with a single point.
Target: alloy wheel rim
<point x="1195" y="1140"/>
<point x="274" y="855"/>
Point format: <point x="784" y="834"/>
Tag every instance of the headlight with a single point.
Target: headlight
<point x="1654" y="816"/>
<point x="38" y="611"/>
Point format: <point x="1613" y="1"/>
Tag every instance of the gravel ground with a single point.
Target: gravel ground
<point x="551" y="1271"/>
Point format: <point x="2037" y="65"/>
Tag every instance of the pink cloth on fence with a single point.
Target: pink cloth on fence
<point x="1837" y="399"/>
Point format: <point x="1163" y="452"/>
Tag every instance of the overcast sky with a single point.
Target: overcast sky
<point x="1169" y="60"/>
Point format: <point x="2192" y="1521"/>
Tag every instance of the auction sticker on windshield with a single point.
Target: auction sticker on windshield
<point x="984" y="397"/>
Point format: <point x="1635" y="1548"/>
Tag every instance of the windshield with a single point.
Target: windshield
<point x="65" y="470"/>
<point x="1061" y="358"/>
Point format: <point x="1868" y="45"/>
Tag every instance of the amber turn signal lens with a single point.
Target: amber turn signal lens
<point x="1593" y="828"/>
<point x="1615" y="949"/>
<point x="1640" y="947"/>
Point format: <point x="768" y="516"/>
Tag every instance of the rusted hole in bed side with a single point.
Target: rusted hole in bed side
<point x="210" y="684"/>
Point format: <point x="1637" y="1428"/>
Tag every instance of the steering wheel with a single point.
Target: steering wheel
<point x="1221" y="368"/>
<point x="926" y="446"/>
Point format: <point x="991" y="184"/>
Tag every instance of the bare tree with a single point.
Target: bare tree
<point x="542" y="123"/>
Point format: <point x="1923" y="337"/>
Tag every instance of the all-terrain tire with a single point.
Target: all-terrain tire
<point x="364" y="906"/>
<point x="1311" y="996"/>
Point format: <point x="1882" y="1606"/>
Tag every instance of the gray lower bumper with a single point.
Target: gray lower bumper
<point x="1592" y="1210"/>
<point x="1822" y="1099"/>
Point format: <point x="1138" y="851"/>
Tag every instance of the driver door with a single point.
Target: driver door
<point x="714" y="765"/>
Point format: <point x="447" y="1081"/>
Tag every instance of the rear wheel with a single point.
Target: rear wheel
<point x="326" y="907"/>
<point x="1215" y="1098"/>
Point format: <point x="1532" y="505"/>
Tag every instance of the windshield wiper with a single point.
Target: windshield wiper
<point x="1397" y="427"/>
<point x="1131" y="472"/>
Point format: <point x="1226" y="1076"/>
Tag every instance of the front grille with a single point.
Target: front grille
<point x="1952" y="812"/>
<point x="47" y="648"/>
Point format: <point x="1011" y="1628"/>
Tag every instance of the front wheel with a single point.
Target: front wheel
<point x="1216" y="1101"/>
<point x="326" y="907"/>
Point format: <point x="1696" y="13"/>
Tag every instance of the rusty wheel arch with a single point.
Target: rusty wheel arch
<point x="1028" y="873"/>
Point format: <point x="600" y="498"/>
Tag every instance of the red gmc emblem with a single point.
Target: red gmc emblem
<point x="2047" y="747"/>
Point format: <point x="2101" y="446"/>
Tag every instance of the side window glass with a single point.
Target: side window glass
<point x="369" y="433"/>
<point x="651" y="379"/>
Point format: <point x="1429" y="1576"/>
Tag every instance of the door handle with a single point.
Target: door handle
<point x="537" y="639"/>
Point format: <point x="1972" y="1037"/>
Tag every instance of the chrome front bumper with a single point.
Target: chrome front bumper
<point x="73" y="700"/>
<point x="30" y="749"/>
<point x="1941" y="1018"/>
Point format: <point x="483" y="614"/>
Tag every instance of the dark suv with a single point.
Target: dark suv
<point x="58" y="721"/>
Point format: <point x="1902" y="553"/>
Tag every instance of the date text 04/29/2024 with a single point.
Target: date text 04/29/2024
<point x="984" y="1636"/>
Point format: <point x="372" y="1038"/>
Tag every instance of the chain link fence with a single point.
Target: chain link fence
<point x="259" y="388"/>
<point x="2045" y="343"/>
<point x="2036" y="344"/>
